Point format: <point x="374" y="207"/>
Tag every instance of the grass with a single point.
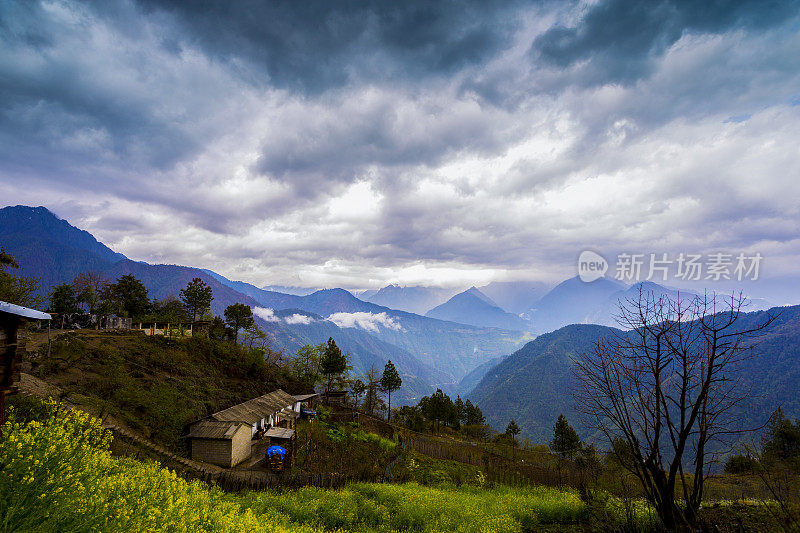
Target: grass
<point x="413" y="507"/>
<point x="57" y="474"/>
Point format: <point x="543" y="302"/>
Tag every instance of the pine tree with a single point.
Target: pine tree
<point x="197" y="298"/>
<point x="566" y="442"/>
<point x="513" y="430"/>
<point x="333" y="362"/>
<point x="390" y="382"/>
<point x="238" y="316"/>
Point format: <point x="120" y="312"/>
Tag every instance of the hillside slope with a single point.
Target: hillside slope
<point x="533" y="385"/>
<point x="153" y="384"/>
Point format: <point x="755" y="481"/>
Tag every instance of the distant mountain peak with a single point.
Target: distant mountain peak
<point x="475" y="291"/>
<point x="20" y="224"/>
<point x="476" y="309"/>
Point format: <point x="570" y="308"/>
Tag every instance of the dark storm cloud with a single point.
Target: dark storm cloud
<point x="316" y="45"/>
<point x="355" y="140"/>
<point x="49" y="95"/>
<point x="619" y="39"/>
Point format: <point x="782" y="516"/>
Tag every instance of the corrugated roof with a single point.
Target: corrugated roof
<point x="25" y="312"/>
<point x="279" y="433"/>
<point x="288" y="414"/>
<point x="256" y="409"/>
<point x="213" y="429"/>
<point x="304" y="397"/>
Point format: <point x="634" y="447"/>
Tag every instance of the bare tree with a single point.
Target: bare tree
<point x="668" y="386"/>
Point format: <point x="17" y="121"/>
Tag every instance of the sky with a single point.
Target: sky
<point x="356" y="144"/>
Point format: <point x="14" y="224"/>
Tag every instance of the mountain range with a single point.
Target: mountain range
<point x="417" y="300"/>
<point x="463" y="344"/>
<point x="427" y="352"/>
<point x="533" y="384"/>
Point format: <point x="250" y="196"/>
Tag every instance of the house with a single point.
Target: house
<point x="11" y="317"/>
<point x="225" y="438"/>
<point x="221" y="443"/>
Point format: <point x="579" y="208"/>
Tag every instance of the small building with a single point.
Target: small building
<point x="11" y="317"/>
<point x="335" y="397"/>
<point x="306" y="404"/>
<point x="225" y="437"/>
<point x="221" y="443"/>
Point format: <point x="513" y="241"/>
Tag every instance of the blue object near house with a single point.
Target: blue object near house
<point x="276" y="450"/>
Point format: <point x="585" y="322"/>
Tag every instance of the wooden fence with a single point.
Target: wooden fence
<point x="237" y="480"/>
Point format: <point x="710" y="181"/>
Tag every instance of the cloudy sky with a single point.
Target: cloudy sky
<point x="354" y="144"/>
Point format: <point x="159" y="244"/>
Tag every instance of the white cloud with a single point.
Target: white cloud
<point x="366" y="321"/>
<point x="298" y="319"/>
<point x="266" y="314"/>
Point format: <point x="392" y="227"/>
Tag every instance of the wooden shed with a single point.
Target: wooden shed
<point x="306" y="402"/>
<point x="285" y="438"/>
<point x="221" y="443"/>
<point x="11" y="317"/>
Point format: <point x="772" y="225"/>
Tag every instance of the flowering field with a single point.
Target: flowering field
<point x="56" y="474"/>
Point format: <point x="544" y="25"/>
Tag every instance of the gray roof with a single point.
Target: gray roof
<point x="24" y="312"/>
<point x="288" y="414"/>
<point x="304" y="397"/>
<point x="279" y="433"/>
<point x="213" y="429"/>
<point x="256" y="409"/>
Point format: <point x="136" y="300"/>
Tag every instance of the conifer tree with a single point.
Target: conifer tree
<point x="390" y="382"/>
<point x="197" y="296"/>
<point x="333" y="362"/>
<point x="566" y="442"/>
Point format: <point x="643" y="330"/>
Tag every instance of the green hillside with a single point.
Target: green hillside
<point x="155" y="385"/>
<point x="533" y="385"/>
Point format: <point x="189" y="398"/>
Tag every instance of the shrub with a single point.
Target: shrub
<point x="740" y="464"/>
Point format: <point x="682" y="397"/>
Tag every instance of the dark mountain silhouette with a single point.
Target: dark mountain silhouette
<point x="54" y="251"/>
<point x="475" y="308"/>
<point x="533" y="384"/>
